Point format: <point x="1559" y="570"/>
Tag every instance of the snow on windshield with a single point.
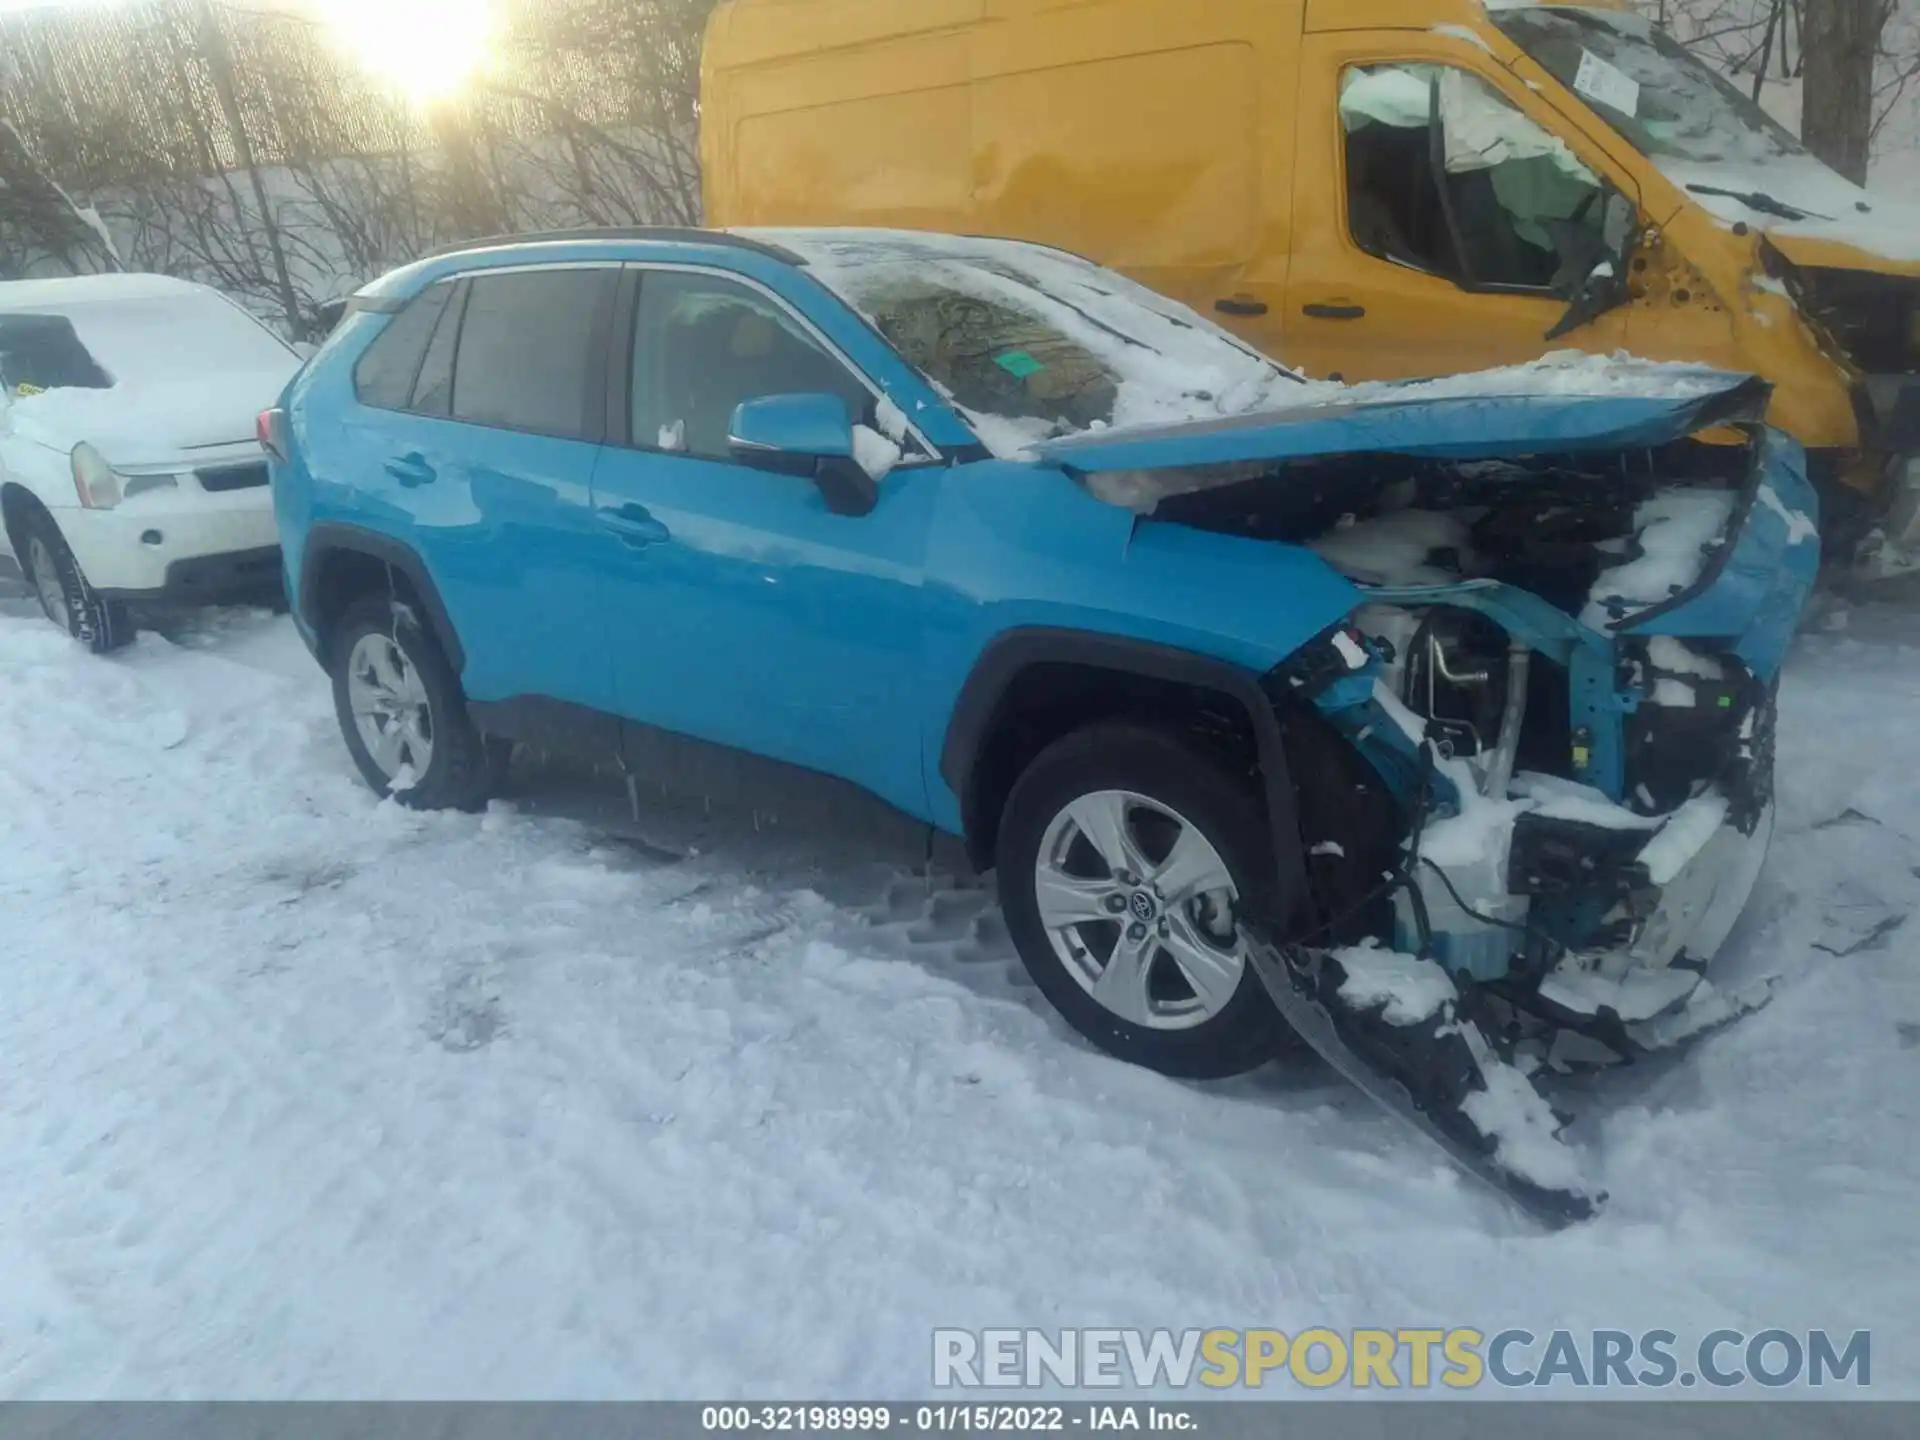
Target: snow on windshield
<point x="156" y="338"/>
<point x="1643" y="83"/>
<point x="1705" y="135"/>
<point x="1032" y="343"/>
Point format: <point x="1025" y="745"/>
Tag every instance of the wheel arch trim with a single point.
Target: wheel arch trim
<point x="331" y="538"/>
<point x="1010" y="654"/>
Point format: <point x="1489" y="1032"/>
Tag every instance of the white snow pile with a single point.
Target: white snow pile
<point x="1509" y="1111"/>
<point x="1397" y="548"/>
<point x="1678" y="531"/>
<point x="1410" y="990"/>
<point x="1677" y="657"/>
<point x="1684" y="836"/>
<point x="1524" y="1130"/>
<point x="874" y="452"/>
<point x="1558" y="798"/>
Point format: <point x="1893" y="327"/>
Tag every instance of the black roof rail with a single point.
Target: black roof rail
<point x="666" y="234"/>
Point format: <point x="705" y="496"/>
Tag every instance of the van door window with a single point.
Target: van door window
<point x="1446" y="175"/>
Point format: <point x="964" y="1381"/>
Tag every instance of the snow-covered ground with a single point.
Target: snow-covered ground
<point x="303" y="1095"/>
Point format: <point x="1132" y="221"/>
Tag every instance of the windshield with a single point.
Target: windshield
<point x="159" y="338"/>
<point x="1670" y="105"/>
<point x="1034" y="343"/>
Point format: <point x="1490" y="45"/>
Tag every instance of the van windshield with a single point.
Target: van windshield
<point x="1638" y="78"/>
<point x="1035" y="343"/>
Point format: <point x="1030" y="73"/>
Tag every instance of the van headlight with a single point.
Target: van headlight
<point x="97" y="482"/>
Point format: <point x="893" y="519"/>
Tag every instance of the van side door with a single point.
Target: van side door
<point x="1443" y="221"/>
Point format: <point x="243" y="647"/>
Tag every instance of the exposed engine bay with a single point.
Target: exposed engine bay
<point x="1537" y="758"/>
<point x="1561" y="748"/>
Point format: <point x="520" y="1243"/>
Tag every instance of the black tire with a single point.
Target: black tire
<point x="101" y="625"/>
<point x="1247" y="1031"/>
<point x="465" y="767"/>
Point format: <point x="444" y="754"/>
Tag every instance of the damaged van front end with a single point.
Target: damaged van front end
<point x="1534" y="769"/>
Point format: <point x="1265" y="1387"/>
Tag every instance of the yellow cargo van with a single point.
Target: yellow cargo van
<point x="1366" y="189"/>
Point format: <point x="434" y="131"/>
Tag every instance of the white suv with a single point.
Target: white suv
<point x="130" y="464"/>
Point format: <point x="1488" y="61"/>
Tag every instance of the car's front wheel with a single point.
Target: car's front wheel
<point x="403" y="714"/>
<point x="100" y="624"/>
<point x="1128" y="863"/>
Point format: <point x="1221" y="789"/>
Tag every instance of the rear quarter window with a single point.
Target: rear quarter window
<point x="384" y="375"/>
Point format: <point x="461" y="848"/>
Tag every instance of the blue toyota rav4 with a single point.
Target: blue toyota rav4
<point x="1391" y="719"/>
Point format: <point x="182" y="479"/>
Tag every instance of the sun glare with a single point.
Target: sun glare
<point x="426" y="49"/>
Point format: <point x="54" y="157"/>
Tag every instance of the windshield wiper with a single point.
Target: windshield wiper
<point x="1760" y="201"/>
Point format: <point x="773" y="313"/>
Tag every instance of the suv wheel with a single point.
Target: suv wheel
<point x="403" y="713"/>
<point x="68" y="600"/>
<point x="1127" y="862"/>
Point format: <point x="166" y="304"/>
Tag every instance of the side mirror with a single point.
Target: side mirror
<point x="809" y="436"/>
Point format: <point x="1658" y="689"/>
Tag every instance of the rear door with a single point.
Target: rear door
<point x="498" y="478"/>
<point x="1440" y="215"/>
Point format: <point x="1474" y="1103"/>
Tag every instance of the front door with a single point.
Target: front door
<point x="1438" y="227"/>
<point x="736" y="608"/>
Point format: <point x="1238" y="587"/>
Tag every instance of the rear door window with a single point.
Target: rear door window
<point x="385" y="375"/>
<point x="531" y="352"/>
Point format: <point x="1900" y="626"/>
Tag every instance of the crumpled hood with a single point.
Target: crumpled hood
<point x="152" y="424"/>
<point x="1565" y="405"/>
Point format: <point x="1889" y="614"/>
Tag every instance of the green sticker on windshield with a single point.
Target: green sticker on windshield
<point x="1019" y="364"/>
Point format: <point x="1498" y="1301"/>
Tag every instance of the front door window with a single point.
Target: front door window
<point x="1445" y="175"/>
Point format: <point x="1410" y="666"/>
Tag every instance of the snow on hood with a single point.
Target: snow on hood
<point x="154" y="423"/>
<point x="190" y="370"/>
<point x="1567" y="403"/>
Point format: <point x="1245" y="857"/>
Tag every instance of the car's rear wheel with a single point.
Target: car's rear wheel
<point x="100" y="624"/>
<point x="403" y="713"/>
<point x="1129" y="862"/>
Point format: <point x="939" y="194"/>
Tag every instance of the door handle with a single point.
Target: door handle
<point x="1244" y="305"/>
<point x="1334" y="312"/>
<point x="635" y="526"/>
<point x="412" y="471"/>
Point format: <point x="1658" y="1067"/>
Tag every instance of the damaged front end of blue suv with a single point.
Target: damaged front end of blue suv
<point x="1556" y="698"/>
<point x="1429" y="723"/>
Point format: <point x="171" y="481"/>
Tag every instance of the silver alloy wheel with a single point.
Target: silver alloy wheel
<point x="46" y="582"/>
<point x="1140" y="908"/>
<point x="390" y="706"/>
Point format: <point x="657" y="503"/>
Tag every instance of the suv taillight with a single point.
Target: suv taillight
<point x="272" y="432"/>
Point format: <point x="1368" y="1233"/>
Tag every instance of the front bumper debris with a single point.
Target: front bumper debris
<point x="1441" y="1076"/>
